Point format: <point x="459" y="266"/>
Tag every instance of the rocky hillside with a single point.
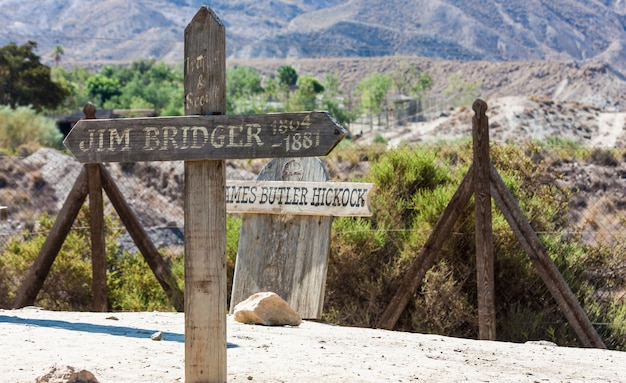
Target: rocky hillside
<point x="493" y="30"/>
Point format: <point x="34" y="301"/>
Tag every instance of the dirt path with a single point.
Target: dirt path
<point x="116" y="347"/>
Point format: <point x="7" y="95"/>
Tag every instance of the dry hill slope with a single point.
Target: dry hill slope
<point x="120" y="31"/>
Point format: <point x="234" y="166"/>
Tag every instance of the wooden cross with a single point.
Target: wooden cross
<point x="204" y="139"/>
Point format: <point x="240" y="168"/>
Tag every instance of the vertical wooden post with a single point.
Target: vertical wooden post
<point x="98" y="251"/>
<point x="484" y="235"/>
<point x="205" y="208"/>
<point x="96" y="227"/>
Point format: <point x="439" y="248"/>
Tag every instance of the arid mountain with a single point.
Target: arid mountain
<point x="493" y="30"/>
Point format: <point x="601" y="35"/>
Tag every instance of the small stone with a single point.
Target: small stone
<point x="66" y="374"/>
<point x="268" y="309"/>
<point x="157" y="336"/>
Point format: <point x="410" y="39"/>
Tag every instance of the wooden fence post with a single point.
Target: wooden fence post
<point x="484" y="236"/>
<point x="96" y="228"/>
<point x="481" y="175"/>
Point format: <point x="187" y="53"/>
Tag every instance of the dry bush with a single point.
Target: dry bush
<point x="22" y="131"/>
<point x="369" y="256"/>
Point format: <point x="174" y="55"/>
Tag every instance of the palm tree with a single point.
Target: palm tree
<point x="57" y="53"/>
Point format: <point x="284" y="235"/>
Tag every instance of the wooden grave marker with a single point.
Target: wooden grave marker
<point x="204" y="142"/>
<point x="285" y="237"/>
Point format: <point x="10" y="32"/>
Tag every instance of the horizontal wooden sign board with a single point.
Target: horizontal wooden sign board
<point x="303" y="134"/>
<point x="299" y="198"/>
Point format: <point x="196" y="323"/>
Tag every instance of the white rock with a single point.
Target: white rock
<point x="268" y="309"/>
<point x="157" y="336"/>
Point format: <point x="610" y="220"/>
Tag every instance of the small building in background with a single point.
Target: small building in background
<point x="403" y="109"/>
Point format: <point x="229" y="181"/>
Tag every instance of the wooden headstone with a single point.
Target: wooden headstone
<point x="285" y="254"/>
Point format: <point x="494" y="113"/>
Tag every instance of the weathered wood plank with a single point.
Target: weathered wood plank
<point x="483" y="235"/>
<point x="205" y="208"/>
<point x="546" y="268"/>
<point x="285" y="254"/>
<point x="299" y="198"/>
<point x="27" y="293"/>
<point x="204" y="137"/>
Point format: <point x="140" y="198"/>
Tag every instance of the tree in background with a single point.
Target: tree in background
<point x="333" y="101"/>
<point x="56" y="54"/>
<point x="145" y="84"/>
<point x="243" y="81"/>
<point x="331" y="85"/>
<point x="287" y="80"/>
<point x="461" y="92"/>
<point x="287" y="76"/>
<point x="305" y="96"/>
<point x="244" y="91"/>
<point x="372" y="91"/>
<point x="409" y="80"/>
<point x="24" y="80"/>
<point x="103" y="88"/>
<point x="150" y="84"/>
<point x="75" y="83"/>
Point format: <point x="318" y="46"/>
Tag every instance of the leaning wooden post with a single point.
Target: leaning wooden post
<point x="27" y="293"/>
<point x="544" y="265"/>
<point x="205" y="208"/>
<point x="96" y="227"/>
<point x="484" y="236"/>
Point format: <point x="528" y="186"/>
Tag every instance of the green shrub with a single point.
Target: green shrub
<point x="133" y="287"/>
<point x="24" y="129"/>
<point x="369" y="257"/>
<point x="68" y="285"/>
<point x="131" y="284"/>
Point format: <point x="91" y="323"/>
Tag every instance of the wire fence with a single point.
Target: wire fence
<point x="596" y="179"/>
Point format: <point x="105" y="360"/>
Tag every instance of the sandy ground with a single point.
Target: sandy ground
<point x="116" y="347"/>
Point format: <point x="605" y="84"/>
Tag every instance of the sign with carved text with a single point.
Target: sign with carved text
<point x="204" y="137"/>
<point x="300" y="198"/>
